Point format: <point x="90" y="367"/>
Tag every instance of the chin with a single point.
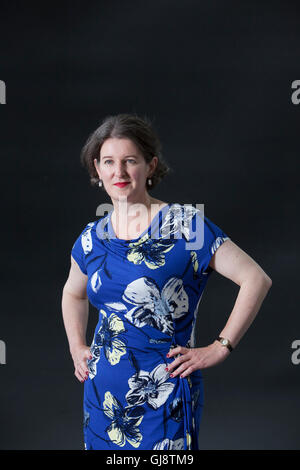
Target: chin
<point x="121" y="191"/>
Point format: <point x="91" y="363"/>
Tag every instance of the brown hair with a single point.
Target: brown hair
<point x="139" y="130"/>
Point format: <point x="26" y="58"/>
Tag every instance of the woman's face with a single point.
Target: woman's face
<point x="121" y="161"/>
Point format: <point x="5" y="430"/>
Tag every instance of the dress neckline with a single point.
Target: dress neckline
<point x="112" y="233"/>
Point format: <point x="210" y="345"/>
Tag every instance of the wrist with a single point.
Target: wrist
<point x="224" y="341"/>
<point x="75" y="346"/>
<point x="222" y="349"/>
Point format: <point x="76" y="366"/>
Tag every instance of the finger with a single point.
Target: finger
<point x="78" y="376"/>
<point x="86" y="370"/>
<point x="179" y="360"/>
<point x="84" y="366"/>
<point x="83" y="371"/>
<point x="187" y="372"/>
<point x="84" y="363"/>
<point x="185" y="368"/>
<point x="88" y="355"/>
<point x="80" y="365"/>
<point x="81" y="375"/>
<point x="177" y="350"/>
<point x="175" y="363"/>
<point x="88" y="362"/>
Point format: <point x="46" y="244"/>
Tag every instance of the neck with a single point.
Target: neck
<point x="123" y="207"/>
<point x="130" y="217"/>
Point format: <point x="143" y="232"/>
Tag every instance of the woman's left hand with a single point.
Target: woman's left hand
<point x="191" y="359"/>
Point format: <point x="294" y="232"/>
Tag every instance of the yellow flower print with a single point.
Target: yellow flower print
<point x="149" y="251"/>
<point x="125" y="421"/>
<point x="195" y="261"/>
<point x="107" y="338"/>
<point x="188" y="440"/>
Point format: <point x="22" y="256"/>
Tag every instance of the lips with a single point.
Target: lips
<point x="121" y="185"/>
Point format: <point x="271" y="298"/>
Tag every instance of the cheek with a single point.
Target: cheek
<point x="138" y="174"/>
<point x="105" y="172"/>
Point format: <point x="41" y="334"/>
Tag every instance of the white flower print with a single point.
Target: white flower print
<point x="86" y="239"/>
<point x="154" y="308"/>
<point x="149" y="387"/>
<point x="177" y="220"/>
<point x="92" y="363"/>
<point x="96" y="281"/>
<point x="116" y="306"/>
<point x="168" y="444"/>
<point x="218" y="242"/>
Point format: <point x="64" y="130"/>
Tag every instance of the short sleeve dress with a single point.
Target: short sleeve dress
<point x="147" y="291"/>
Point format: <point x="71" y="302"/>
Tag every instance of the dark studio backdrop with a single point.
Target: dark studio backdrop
<point x="216" y="80"/>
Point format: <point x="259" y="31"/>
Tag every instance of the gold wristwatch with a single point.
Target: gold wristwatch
<point x="225" y="342"/>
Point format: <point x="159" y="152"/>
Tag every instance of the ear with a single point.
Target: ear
<point x="96" y="164"/>
<point x="152" y="165"/>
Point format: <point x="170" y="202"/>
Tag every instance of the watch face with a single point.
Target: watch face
<point x="224" y="341"/>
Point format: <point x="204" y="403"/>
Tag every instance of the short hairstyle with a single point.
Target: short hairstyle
<point x="130" y="126"/>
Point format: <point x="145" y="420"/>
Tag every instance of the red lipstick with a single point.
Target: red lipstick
<point x="121" y="185"/>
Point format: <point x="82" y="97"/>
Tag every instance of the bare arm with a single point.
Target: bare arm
<point x="232" y="262"/>
<point x="75" y="311"/>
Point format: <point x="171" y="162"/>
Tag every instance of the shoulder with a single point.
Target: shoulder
<point x="85" y="233"/>
<point x="195" y="225"/>
<point x="87" y="228"/>
<point x="92" y="226"/>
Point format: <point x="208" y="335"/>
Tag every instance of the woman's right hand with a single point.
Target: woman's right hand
<point x="80" y="355"/>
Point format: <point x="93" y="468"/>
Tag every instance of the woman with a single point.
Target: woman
<point x="143" y="384"/>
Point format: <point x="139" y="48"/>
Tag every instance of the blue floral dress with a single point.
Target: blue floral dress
<point x="147" y="291"/>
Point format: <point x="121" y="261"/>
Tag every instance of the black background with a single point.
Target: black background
<point x="215" y="78"/>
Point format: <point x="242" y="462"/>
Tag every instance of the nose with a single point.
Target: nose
<point x="120" y="170"/>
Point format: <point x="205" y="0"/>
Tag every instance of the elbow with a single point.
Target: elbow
<point x="261" y="278"/>
<point x="267" y="281"/>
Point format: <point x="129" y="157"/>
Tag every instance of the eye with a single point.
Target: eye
<point x="131" y="160"/>
<point x="107" y="161"/>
